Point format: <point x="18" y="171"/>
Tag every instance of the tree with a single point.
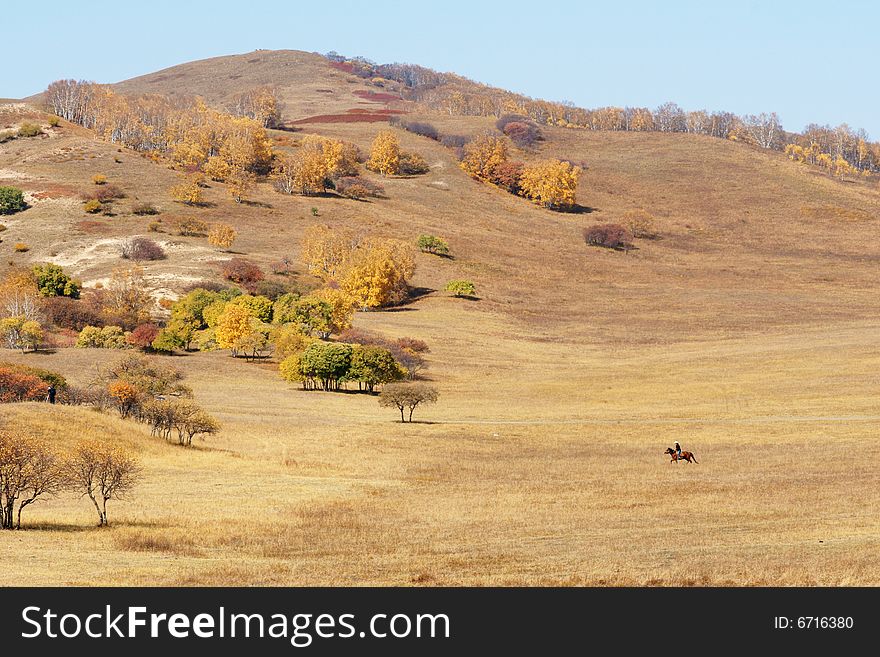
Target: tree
<point x="326" y="251"/>
<point x="312" y="315"/>
<point x="483" y="154"/>
<point x="240" y="331"/>
<point x="259" y="306"/>
<point x="222" y="235"/>
<point x="125" y="299"/>
<point x="551" y="183"/>
<point x="288" y="340"/>
<point x="188" y="191"/>
<point x="609" y="236"/>
<point x="103" y="472"/>
<point x="53" y="282"/>
<point x="342" y="307"/>
<point x="21" y="333"/>
<point x="763" y="129"/>
<point x="239" y="183"/>
<point x="143" y="336"/>
<point x="432" y="244"/>
<point x="327" y="363"/>
<point x="11" y="200"/>
<point x="376" y="274"/>
<point x="385" y="154"/>
<point x="28" y="472"/>
<point x="407" y="396"/>
<point x="461" y="288"/>
<point x="372" y="366"/>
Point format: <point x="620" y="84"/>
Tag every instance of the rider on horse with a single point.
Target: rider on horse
<point x="678" y="449"/>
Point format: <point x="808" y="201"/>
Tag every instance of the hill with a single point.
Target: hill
<point x="746" y="329"/>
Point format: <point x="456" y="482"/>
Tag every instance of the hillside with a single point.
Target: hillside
<point x="747" y="329"/>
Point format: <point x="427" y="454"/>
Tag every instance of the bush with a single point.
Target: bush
<point x="53" y="282"/>
<point x="191" y="227"/>
<point x="454" y="141"/>
<point x="243" y="272"/>
<point x="21" y="247"/>
<point x="48" y="377"/>
<point x="640" y="223"/>
<point x="18" y="386"/>
<point x="507" y="176"/>
<point x="11" y="200"/>
<point x="68" y="313"/>
<point x="412" y="164"/>
<point x="54" y="122"/>
<point x="281" y="267"/>
<point x="154" y="226"/>
<point x="609" y="236"/>
<point x="92" y="206"/>
<point x="109" y="337"/>
<point x="461" y="288"/>
<point x="358" y="187"/>
<point x="99" y="179"/>
<point x="143" y="336"/>
<point x="142" y="248"/>
<point x="29" y="130"/>
<point x="432" y="244"/>
<point x="419" y="128"/>
<point x="144" y="209"/>
<point x="524" y="135"/>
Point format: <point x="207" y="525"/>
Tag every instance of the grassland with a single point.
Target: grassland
<point x="748" y="331"/>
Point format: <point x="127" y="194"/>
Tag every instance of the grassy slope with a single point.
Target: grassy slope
<point x="747" y="331"/>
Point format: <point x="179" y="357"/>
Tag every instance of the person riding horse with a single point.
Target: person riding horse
<point x="678" y="449"/>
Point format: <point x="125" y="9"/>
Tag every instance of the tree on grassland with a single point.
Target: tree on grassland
<point x="407" y="396"/>
<point x="29" y="471"/>
<point x="551" y="183"/>
<point x="101" y="472"/>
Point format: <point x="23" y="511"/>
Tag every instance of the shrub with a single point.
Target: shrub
<point x="46" y="376"/>
<point x="142" y="248"/>
<point x="524" y="135"/>
<point x="281" y="267"/>
<point x="53" y="282"/>
<point x="2" y="227"/>
<point x="109" y="337"/>
<point x="99" y="179"/>
<point x="11" y="200"/>
<point x="191" y="227"/>
<point x="222" y="235"/>
<point x="418" y="128"/>
<point x="640" y="223"/>
<point x="154" y="226"/>
<point x="412" y="164"/>
<point x="92" y="206"/>
<point x="609" y="236"/>
<point x="29" y="130"/>
<point x="461" y="288"/>
<point x="507" y="175"/>
<point x="358" y="187"/>
<point x="21" y="247"/>
<point x="105" y="194"/>
<point x="19" y="386"/>
<point x="54" y="122"/>
<point x="144" y="209"/>
<point x="454" y="141"/>
<point x="432" y="244"/>
<point x="188" y="191"/>
<point x="68" y="313"/>
<point x="243" y="272"/>
<point x="143" y="336"/>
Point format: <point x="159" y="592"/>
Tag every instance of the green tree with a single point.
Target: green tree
<point x="407" y="396"/>
<point x="260" y="306"/>
<point x="327" y="363"/>
<point x="53" y="282"/>
<point x="11" y="200"/>
<point x="313" y="316"/>
<point x="432" y="244"/>
<point x="372" y="366"/>
<point x="461" y="288"/>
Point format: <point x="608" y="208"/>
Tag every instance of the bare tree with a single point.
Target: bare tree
<point x="28" y="472"/>
<point x="102" y="472"/>
<point x="763" y="128"/>
<point x="405" y="396"/>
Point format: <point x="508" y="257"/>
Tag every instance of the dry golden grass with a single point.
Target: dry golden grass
<point x="747" y="331"/>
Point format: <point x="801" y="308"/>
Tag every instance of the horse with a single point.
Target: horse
<point x="685" y="456"/>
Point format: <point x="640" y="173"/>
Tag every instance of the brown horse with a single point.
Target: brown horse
<point x="685" y="456"/>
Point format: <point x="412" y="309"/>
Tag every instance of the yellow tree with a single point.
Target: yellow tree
<point x="222" y="235"/>
<point x="377" y="273"/>
<point x="342" y="307"/>
<point x="325" y="251"/>
<point x="235" y="327"/>
<point x="483" y="154"/>
<point x="551" y="183"/>
<point x="385" y="154"/>
<point x="188" y="191"/>
<point x="239" y="183"/>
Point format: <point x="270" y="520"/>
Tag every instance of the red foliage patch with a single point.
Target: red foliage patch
<point x="16" y="386"/>
<point x="88" y="226"/>
<point x="345" y="67"/>
<point x="376" y="96"/>
<point x="352" y="116"/>
<point x="56" y="191"/>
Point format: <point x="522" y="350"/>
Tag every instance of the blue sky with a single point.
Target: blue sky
<point x="808" y="61"/>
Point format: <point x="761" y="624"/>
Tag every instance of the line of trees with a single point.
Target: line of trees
<point x="31" y="471"/>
